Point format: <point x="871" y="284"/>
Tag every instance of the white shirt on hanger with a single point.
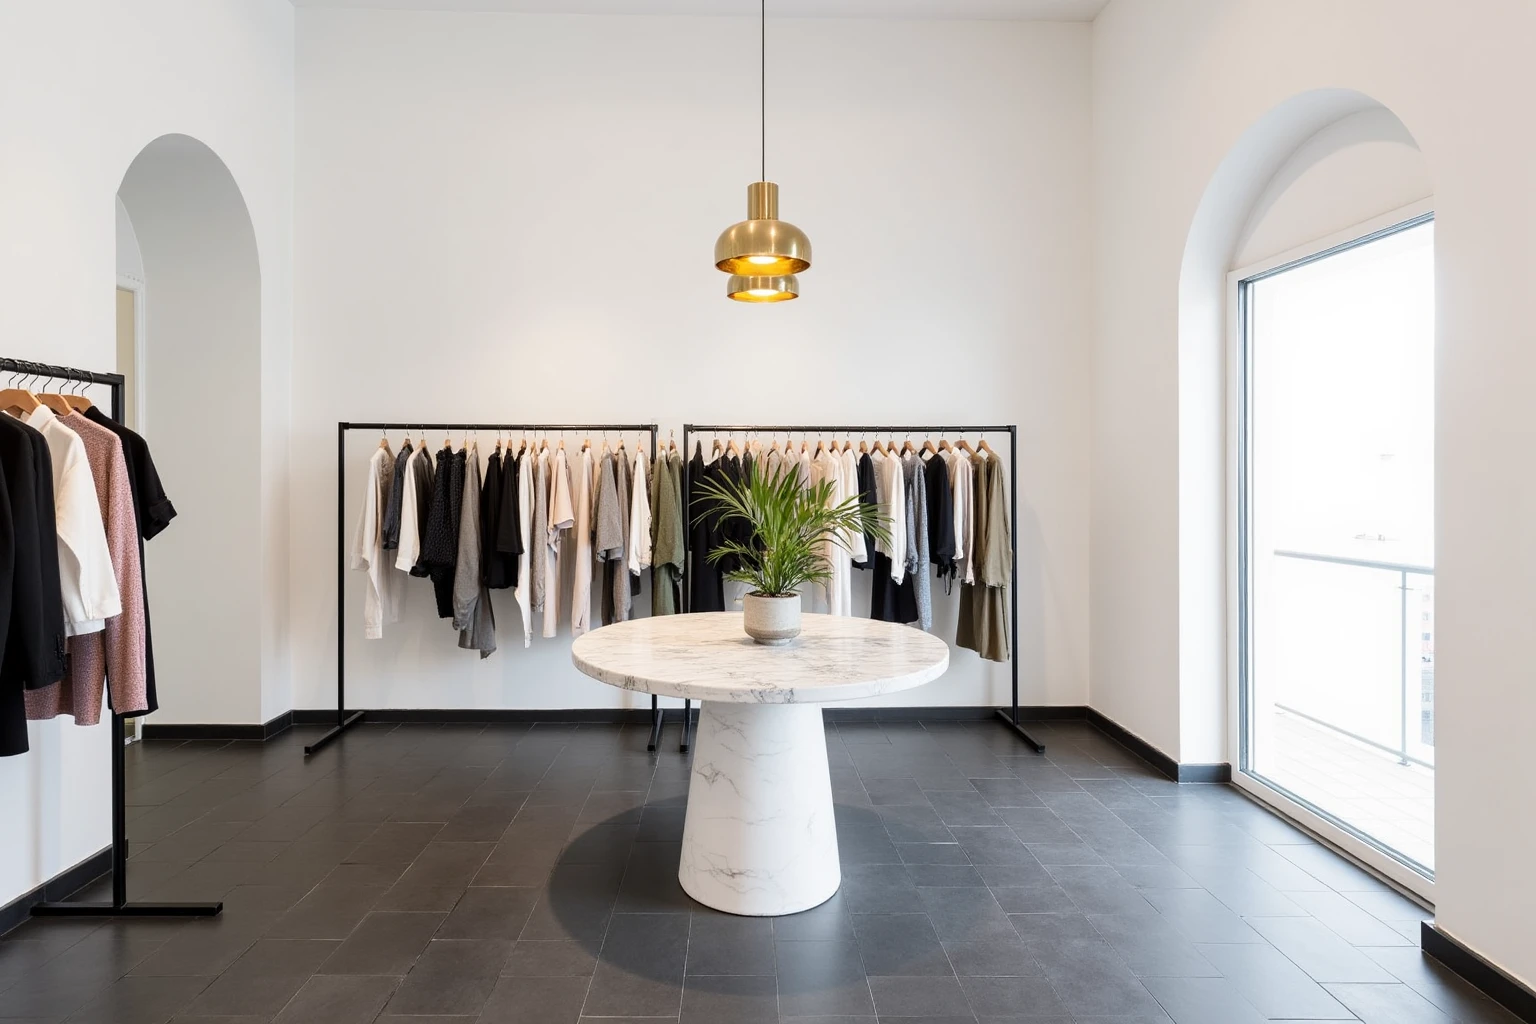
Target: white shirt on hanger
<point x="581" y="538"/>
<point x="891" y="496"/>
<point x="86" y="577"/>
<point x="409" y="547"/>
<point x="524" y="518"/>
<point x="639" y="516"/>
<point x="962" y="487"/>
<point x="368" y="545"/>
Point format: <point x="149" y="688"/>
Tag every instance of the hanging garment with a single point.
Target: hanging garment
<point x="509" y="530"/>
<point x="827" y="467"/>
<point x="86" y="578"/>
<point x="941" y="518"/>
<point x="773" y="465"/>
<point x="855" y="474"/>
<point x="562" y="516"/>
<point x="497" y="565"/>
<point x="153" y="512"/>
<point x="984" y="607"/>
<point x="668" y="553"/>
<point x="892" y="592"/>
<point x="153" y="509"/>
<point x="706" y="583"/>
<point x="581" y="539"/>
<point x="917" y="536"/>
<point x="537" y="536"/>
<point x="607" y="532"/>
<point x="473" y="616"/>
<point x="115" y="653"/>
<point x="33" y="623"/>
<point x="524" y="592"/>
<point x="392" y="509"/>
<point x="425" y="475"/>
<point x="962" y="484"/>
<point x="639" y="522"/>
<point x="622" y="600"/>
<point x="408" y="540"/>
<point x="440" y="553"/>
<point x="368" y="545"/>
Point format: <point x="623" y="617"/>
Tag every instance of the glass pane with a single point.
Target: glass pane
<point x="1340" y="538"/>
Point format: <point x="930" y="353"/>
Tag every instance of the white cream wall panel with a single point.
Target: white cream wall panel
<point x="1176" y="84"/>
<point x="84" y="86"/>
<point x="464" y="178"/>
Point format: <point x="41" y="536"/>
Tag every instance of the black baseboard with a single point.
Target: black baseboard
<point x="1190" y="773"/>
<point x="222" y="731"/>
<point x="642" y="716"/>
<point x="61" y="886"/>
<point x="1498" y="986"/>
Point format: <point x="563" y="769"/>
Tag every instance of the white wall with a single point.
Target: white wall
<point x="462" y="180"/>
<point x="83" y="88"/>
<point x="1178" y="85"/>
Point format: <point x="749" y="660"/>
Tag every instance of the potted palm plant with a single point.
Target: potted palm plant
<point x="792" y="529"/>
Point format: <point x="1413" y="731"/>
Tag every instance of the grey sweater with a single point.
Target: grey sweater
<point x="472" y="615"/>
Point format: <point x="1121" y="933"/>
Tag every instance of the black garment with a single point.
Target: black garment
<point x="13" y="703"/>
<point x="426" y="478"/>
<point x="941" y="516"/>
<point x="509" y="530"/>
<point x="440" y="554"/>
<point x="34" y="652"/>
<point x="867" y="497"/>
<point x="396" y="495"/>
<point x="706" y="584"/>
<point x="153" y="511"/>
<point x="497" y="567"/>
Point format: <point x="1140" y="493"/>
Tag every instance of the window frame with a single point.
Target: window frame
<point x="1239" y="401"/>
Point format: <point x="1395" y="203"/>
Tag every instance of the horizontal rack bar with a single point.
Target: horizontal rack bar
<point x="739" y="427"/>
<point x="55" y="372"/>
<point x="344" y="425"/>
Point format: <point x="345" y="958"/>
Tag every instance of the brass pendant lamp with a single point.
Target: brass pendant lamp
<point x="763" y="253"/>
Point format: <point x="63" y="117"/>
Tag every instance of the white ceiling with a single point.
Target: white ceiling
<point x="1008" y="10"/>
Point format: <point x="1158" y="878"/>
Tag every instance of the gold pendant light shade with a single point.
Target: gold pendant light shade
<point x="748" y="288"/>
<point x="762" y="245"/>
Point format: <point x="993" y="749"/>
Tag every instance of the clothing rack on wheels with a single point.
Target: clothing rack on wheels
<point x="1008" y="716"/>
<point x="119" y="905"/>
<point x="346" y="719"/>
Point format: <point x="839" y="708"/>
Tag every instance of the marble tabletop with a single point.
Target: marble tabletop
<point x="706" y="656"/>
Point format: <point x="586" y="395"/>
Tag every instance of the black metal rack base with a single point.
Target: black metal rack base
<point x="119" y="906"/>
<point x="1010" y="715"/>
<point x="345" y="719"/>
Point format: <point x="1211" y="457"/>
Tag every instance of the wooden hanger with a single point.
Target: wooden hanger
<point x="965" y="446"/>
<point x="18" y="400"/>
<point x="863" y="447"/>
<point x="906" y="447"/>
<point x="944" y="445"/>
<point x="928" y="447"/>
<point x="76" y="401"/>
<point x="984" y="447"/>
<point x="731" y="449"/>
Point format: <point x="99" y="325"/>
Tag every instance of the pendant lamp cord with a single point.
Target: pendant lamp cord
<point x="763" y="84"/>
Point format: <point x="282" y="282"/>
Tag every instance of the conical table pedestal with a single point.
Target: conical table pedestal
<point x="759" y="838"/>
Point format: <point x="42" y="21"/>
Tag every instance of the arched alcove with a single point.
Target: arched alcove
<point x="202" y="388"/>
<point x="1248" y="186"/>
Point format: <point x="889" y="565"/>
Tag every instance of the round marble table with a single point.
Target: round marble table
<point x="759" y="837"/>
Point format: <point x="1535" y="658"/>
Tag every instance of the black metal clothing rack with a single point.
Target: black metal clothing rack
<point x="1008" y="716"/>
<point x="346" y="719"/>
<point x="119" y="906"/>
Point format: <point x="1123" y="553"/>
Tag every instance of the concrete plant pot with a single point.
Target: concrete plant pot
<point x="773" y="621"/>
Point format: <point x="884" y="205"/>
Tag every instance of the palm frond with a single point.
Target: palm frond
<point x="791" y="528"/>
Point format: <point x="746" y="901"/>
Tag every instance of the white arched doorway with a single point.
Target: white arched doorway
<point x="1318" y="175"/>
<point x="200" y="359"/>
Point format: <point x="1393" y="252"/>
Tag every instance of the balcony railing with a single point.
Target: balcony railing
<point x="1323" y="712"/>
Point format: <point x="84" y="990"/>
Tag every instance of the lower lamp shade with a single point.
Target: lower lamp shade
<point x="763" y="289"/>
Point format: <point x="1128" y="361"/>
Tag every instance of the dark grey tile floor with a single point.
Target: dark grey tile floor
<point x="527" y="874"/>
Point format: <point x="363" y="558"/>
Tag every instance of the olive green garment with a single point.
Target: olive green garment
<point x="983" y="625"/>
<point x="667" y="530"/>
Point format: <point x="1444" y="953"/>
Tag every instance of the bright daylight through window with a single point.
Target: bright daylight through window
<point x="1338" y="536"/>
